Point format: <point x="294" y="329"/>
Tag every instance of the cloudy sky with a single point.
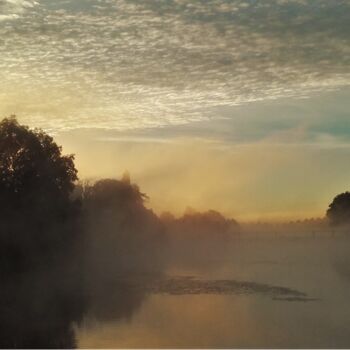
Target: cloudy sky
<point x="240" y="105"/>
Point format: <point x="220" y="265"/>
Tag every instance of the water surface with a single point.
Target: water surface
<point x="263" y="292"/>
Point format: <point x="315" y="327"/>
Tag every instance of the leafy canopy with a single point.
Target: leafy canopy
<point x="339" y="210"/>
<point x="33" y="171"/>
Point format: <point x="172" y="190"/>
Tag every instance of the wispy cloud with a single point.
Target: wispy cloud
<point x="128" y="64"/>
<point x="12" y="9"/>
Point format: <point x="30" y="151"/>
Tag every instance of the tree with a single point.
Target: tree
<point x="36" y="182"/>
<point x="339" y="210"/>
<point x="123" y="235"/>
<point x="110" y="194"/>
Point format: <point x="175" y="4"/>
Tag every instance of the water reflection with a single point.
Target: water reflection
<point x="39" y="314"/>
<point x="42" y="309"/>
<point x="244" y="302"/>
<point x="299" y="301"/>
<point x="39" y="309"/>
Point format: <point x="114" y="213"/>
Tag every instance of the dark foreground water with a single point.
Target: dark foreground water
<point x="262" y="292"/>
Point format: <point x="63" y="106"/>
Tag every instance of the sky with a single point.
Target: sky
<point x="240" y="106"/>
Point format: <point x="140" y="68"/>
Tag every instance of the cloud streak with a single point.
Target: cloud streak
<point x="12" y="9"/>
<point x="128" y="64"/>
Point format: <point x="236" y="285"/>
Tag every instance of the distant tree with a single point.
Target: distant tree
<point x="111" y="194"/>
<point x="339" y="210"/>
<point x="121" y="232"/>
<point x="210" y="224"/>
<point x="36" y="182"/>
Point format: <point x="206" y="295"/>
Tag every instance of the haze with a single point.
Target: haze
<point x="241" y="106"/>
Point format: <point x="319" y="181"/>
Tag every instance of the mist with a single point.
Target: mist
<point x="79" y="257"/>
<point x="297" y="267"/>
<point x="189" y="187"/>
<point x="123" y="254"/>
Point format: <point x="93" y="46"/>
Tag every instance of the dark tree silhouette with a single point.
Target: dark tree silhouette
<point x="339" y="210"/>
<point x="121" y="232"/>
<point x="41" y="292"/>
<point x="33" y="171"/>
<point x="36" y="182"/>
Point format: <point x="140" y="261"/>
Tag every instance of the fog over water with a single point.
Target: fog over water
<point x="261" y="292"/>
<point x="130" y="278"/>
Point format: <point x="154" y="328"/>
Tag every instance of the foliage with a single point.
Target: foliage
<point x="339" y="210"/>
<point x="36" y="182"/>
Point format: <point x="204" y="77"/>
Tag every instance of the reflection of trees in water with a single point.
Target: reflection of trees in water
<point x="114" y="303"/>
<point x="39" y="309"/>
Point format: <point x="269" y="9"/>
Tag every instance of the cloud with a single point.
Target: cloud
<point x="319" y="121"/>
<point x="11" y="9"/>
<point x="128" y="64"/>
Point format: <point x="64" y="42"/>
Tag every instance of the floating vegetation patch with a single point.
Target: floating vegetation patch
<point x="191" y="285"/>
<point x="298" y="299"/>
